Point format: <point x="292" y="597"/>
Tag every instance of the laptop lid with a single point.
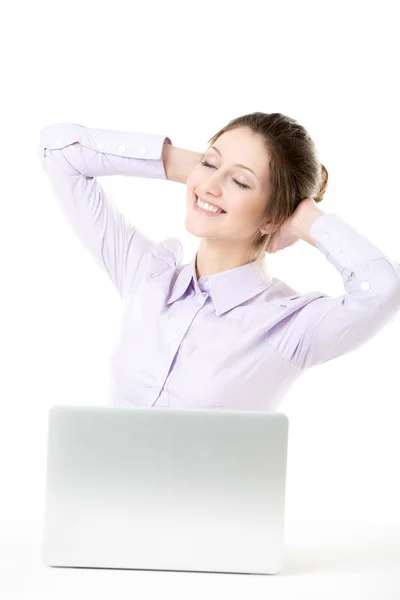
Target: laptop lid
<point x="169" y="489"/>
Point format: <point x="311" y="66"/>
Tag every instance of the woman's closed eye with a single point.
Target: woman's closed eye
<point x="242" y="185"/>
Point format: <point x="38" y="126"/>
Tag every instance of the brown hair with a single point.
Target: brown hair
<point x="295" y="170"/>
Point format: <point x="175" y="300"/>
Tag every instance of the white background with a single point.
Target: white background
<point x="184" y="69"/>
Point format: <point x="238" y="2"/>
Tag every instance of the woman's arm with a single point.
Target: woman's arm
<point x="328" y="327"/>
<point x="73" y="157"/>
<point x="178" y="162"/>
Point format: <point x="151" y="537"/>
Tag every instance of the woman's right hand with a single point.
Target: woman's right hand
<point x="178" y="162"/>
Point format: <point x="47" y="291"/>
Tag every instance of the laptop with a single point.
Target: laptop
<point x="166" y="489"/>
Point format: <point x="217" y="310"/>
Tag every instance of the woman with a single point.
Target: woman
<point x="220" y="332"/>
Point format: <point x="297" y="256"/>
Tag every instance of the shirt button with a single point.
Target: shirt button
<point x="325" y="234"/>
<point x="122" y="148"/>
<point x="338" y="249"/>
<point x="365" y="285"/>
<point x="100" y="145"/>
<point x="173" y="335"/>
<point x="143" y="150"/>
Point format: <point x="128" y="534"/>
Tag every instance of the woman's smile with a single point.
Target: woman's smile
<point x="204" y="211"/>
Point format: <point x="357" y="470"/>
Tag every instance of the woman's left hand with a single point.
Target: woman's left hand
<point x="287" y="235"/>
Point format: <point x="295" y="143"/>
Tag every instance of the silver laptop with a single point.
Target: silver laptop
<point x="167" y="489"/>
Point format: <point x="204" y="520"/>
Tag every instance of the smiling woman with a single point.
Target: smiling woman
<point x="258" y="169"/>
<point x="212" y="333"/>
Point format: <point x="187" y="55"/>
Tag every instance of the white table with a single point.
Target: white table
<point x="323" y="560"/>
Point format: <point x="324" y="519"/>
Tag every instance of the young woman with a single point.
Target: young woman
<point x="220" y="331"/>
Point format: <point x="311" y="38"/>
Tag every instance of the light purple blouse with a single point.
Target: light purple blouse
<point x="229" y="340"/>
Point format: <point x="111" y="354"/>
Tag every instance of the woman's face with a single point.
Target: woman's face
<point x="220" y="184"/>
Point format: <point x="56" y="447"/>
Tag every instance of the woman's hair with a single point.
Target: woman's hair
<point x="295" y="171"/>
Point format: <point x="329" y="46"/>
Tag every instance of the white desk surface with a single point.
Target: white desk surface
<point x="323" y="560"/>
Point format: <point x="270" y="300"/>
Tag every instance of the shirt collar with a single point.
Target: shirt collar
<point x="227" y="288"/>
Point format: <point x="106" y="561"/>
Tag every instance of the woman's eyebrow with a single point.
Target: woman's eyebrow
<point x="236" y="164"/>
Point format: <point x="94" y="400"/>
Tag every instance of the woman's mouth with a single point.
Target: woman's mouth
<point x="204" y="211"/>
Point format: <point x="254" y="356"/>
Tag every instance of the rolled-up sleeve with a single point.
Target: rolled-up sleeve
<point x="116" y="245"/>
<point x="329" y="327"/>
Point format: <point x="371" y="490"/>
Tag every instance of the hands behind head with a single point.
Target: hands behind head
<point x="286" y="235"/>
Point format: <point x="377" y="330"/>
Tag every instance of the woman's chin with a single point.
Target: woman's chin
<point x="193" y="229"/>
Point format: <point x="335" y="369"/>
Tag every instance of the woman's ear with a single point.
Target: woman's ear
<point x="266" y="228"/>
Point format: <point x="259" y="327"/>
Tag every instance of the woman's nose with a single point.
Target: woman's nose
<point x="212" y="184"/>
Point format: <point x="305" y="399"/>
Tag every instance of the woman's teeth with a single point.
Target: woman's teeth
<point x="208" y="207"/>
